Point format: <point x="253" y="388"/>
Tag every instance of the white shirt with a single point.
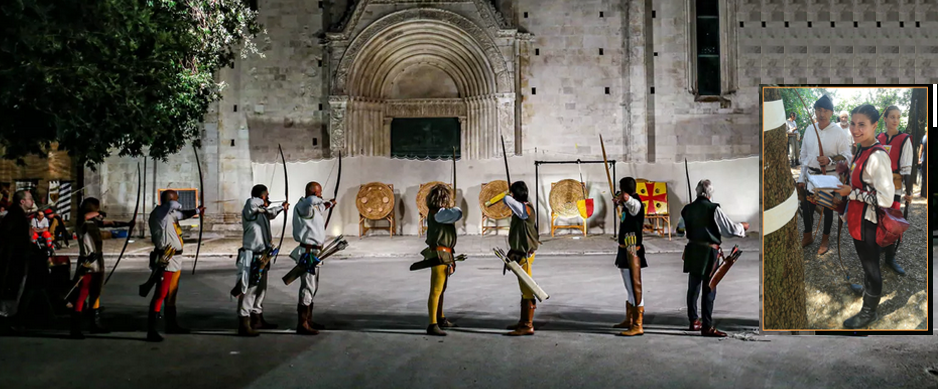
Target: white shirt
<point x="162" y="222"/>
<point x="40" y="224"/>
<point x="878" y="174"/>
<point x="255" y="219"/>
<point x="791" y="126"/>
<point x="728" y="227"/>
<point x="309" y="221"/>
<point x="516" y="207"/>
<point x="835" y="142"/>
<point x="633" y="205"/>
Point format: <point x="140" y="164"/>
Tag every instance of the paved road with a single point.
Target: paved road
<point x="377" y="310"/>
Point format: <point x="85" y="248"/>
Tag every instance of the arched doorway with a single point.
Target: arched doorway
<point x="422" y="63"/>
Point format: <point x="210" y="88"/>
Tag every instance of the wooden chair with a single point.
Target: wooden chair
<point x="554" y="216"/>
<point x="654" y="196"/>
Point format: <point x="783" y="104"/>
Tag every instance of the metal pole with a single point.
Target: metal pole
<point x="537" y="214"/>
<point x="615" y="218"/>
<point x="143" y="230"/>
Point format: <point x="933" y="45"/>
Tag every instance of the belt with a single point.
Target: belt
<point x="818" y="171"/>
<point x="711" y="245"/>
<point x="311" y="246"/>
<point x="446" y="249"/>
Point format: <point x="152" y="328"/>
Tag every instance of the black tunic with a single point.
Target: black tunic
<point x="631" y="224"/>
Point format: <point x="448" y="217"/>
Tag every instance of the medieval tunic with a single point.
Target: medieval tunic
<point x="523" y="239"/>
<point x="441" y="238"/>
<point x="16" y="250"/>
<point x="441" y="232"/>
<point x="165" y="231"/>
<point x="309" y="231"/>
<point x="899" y="149"/>
<point x="255" y="219"/>
<point x="872" y="187"/>
<point x="90" y="244"/>
<point x="633" y="220"/>
<point x="706" y="223"/>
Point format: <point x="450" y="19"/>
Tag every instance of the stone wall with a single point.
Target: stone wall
<point x="278" y="97"/>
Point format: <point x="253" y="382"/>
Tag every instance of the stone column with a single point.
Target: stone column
<point x="337" y="109"/>
<point x="506" y="121"/>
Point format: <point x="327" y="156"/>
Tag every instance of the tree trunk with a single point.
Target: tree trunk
<point x="783" y="266"/>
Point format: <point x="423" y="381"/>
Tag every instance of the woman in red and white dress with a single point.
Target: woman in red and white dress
<point x="870" y="187"/>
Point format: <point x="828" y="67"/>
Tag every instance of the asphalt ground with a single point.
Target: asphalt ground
<point x="375" y="312"/>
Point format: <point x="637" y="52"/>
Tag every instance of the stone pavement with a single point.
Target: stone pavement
<point x="218" y="247"/>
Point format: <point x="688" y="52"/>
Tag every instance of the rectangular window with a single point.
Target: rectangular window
<point x="708" y="48"/>
<point x="425" y="138"/>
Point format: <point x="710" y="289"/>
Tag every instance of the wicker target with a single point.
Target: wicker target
<point x="425" y="191"/>
<point x="375" y="200"/>
<point x="498" y="210"/>
<point x="563" y="197"/>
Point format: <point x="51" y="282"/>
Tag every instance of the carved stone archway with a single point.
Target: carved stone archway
<point x="362" y="102"/>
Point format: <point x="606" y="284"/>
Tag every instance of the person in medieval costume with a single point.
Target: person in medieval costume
<point x="439" y="256"/>
<point x="899" y="147"/>
<point x="523" y="241"/>
<point x="257" y="248"/>
<point x="836" y="147"/>
<point x="309" y="231"/>
<point x="90" y="266"/>
<point x="706" y="224"/>
<point x="16" y="251"/>
<point x="871" y="186"/>
<point x="166" y="261"/>
<point x="633" y="219"/>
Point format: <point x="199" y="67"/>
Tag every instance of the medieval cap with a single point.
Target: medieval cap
<point x="824" y="102"/>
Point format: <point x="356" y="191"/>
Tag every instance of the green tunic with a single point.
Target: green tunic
<point x="439" y="235"/>
<point x="522" y="233"/>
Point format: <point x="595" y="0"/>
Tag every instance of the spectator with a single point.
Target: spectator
<point x="58" y="229"/>
<point x="40" y="223"/>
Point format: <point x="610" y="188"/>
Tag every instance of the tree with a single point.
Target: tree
<point x="784" y="300"/>
<point x="92" y="77"/>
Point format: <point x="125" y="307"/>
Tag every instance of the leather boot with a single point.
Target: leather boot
<point x="258" y="322"/>
<point x="76" y="326"/>
<point x="435" y="330"/>
<point x="627" y="323"/>
<point x="638" y="316"/>
<point x="244" y="327"/>
<point x="312" y="324"/>
<point x="696" y="325"/>
<point x="518" y="324"/>
<point x="807" y="240"/>
<point x="526" y="326"/>
<point x="97" y="327"/>
<point x="867" y="314"/>
<point x="152" y="334"/>
<point x="825" y="244"/>
<point x="172" y="326"/>
<point x="711" y="332"/>
<point x="302" y="326"/>
<point x="891" y="260"/>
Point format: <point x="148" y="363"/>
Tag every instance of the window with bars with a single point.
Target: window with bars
<point x="188" y="197"/>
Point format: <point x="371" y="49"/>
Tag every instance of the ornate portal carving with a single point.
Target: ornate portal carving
<point x="426" y="108"/>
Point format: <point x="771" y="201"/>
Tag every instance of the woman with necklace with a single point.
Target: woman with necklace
<point x="870" y="187"/>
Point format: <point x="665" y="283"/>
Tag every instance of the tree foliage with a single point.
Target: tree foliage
<point x="95" y="77"/>
<point x="878" y="97"/>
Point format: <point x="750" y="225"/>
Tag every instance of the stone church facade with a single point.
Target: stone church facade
<point x="662" y="81"/>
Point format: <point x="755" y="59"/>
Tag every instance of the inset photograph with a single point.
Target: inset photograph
<point x="845" y="215"/>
